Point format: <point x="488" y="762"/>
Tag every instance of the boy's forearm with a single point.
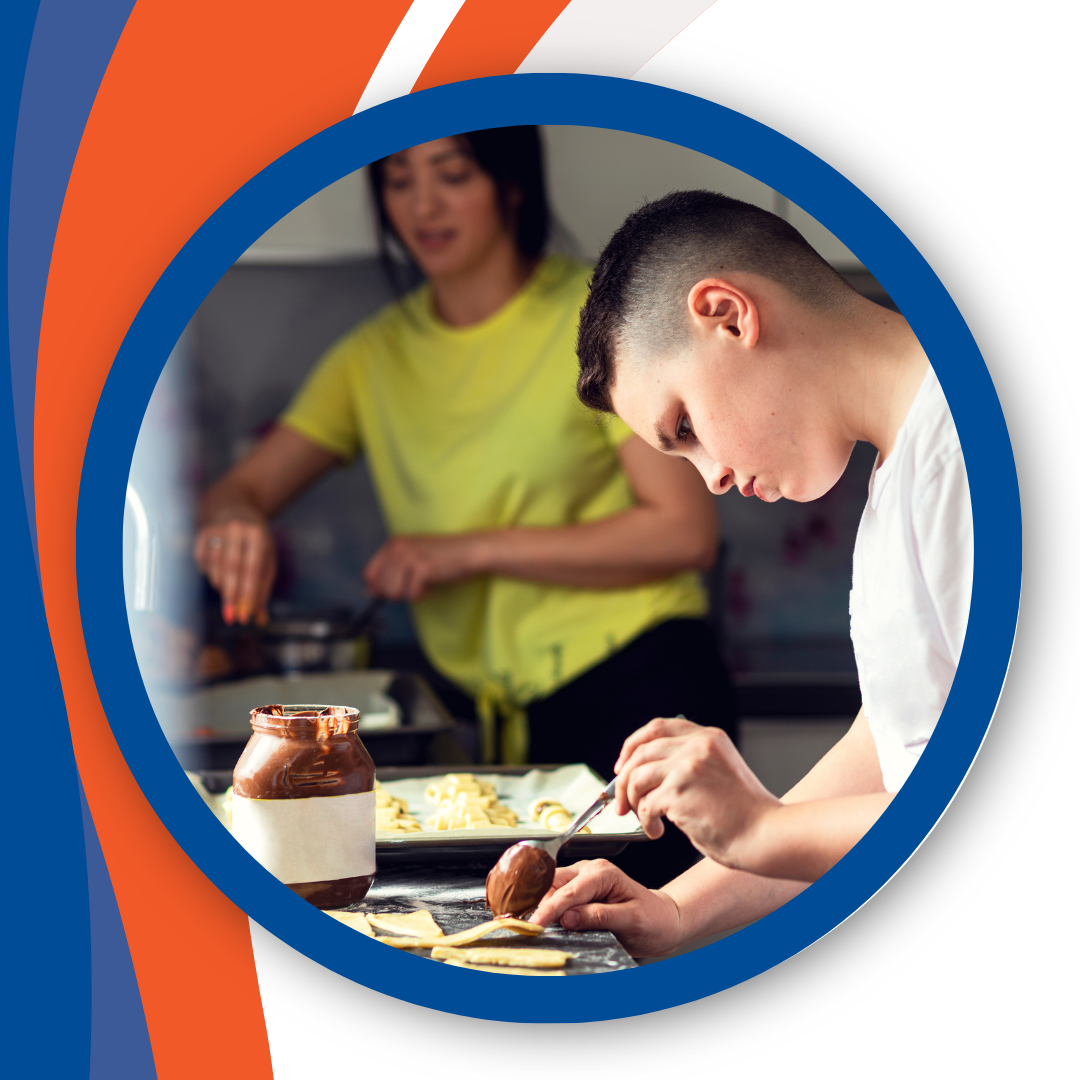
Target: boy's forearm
<point x="712" y="898"/>
<point x="850" y="768"/>
<point x="794" y="846"/>
<point x="801" y="841"/>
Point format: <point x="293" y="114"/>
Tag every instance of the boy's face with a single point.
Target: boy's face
<point x="746" y="419"/>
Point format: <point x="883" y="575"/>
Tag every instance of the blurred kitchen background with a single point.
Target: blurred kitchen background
<point x="779" y="590"/>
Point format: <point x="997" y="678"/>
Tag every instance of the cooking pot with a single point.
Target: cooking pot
<point x="322" y="639"/>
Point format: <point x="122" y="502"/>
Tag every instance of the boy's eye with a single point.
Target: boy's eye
<point x="683" y="430"/>
<point x="455" y="178"/>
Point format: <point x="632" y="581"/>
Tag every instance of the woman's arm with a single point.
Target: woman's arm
<point x="233" y="546"/>
<point x="671" y="527"/>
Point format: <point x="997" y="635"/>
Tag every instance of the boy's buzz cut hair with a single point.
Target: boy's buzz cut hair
<point x="637" y="298"/>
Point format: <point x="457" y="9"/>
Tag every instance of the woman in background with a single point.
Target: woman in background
<point x="550" y="558"/>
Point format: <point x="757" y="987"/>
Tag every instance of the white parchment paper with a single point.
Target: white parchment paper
<point x="575" y="786"/>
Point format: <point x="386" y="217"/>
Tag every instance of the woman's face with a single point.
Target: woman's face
<point x="443" y="206"/>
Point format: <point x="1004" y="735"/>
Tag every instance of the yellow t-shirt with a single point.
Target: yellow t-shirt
<point x="480" y="428"/>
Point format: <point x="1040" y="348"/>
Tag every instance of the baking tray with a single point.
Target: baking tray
<point x="476" y="845"/>
<point x="481" y="844"/>
<point x="221" y="714"/>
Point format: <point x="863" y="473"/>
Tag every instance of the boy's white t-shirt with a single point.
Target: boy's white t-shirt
<point x="911" y="583"/>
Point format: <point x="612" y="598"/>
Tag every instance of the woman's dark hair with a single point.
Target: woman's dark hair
<point x="512" y="157"/>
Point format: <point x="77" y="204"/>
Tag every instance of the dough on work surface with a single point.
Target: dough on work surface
<point x="465" y="937"/>
<point x="526" y="958"/>
<point x="519" y="926"/>
<point x="504" y="970"/>
<point x="413" y="924"/>
<point x="356" y="919"/>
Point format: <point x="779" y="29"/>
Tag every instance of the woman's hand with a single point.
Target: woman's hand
<point x="234" y="547"/>
<point x="239" y="558"/>
<point x="595" y="895"/>
<point x="695" y="778"/>
<point x="405" y="567"/>
<point x="671" y="527"/>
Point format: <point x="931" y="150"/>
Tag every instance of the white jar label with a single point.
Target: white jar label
<point x="318" y="839"/>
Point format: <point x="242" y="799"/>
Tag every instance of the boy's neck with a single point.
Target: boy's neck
<point x="880" y="366"/>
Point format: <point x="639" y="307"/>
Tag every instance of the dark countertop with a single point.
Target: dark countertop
<point x="455" y="897"/>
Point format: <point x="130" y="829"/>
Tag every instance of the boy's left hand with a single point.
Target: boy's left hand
<point x="694" y="777"/>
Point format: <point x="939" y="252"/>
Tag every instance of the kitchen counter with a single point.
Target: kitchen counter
<point x="455" y="897"/>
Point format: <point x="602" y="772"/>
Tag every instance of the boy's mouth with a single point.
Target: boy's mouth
<point x="752" y="487"/>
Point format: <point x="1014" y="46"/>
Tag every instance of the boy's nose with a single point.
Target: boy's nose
<point x="717" y="478"/>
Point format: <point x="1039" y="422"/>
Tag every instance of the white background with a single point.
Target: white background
<point x="960" y="121"/>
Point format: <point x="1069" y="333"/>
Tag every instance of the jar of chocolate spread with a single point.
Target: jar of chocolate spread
<point x="304" y="801"/>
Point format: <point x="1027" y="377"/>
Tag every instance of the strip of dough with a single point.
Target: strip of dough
<point x="465" y="937"/>
<point x="519" y="926"/>
<point x="356" y="919"/>
<point x="526" y="958"/>
<point x="503" y="970"/>
<point x="414" y="924"/>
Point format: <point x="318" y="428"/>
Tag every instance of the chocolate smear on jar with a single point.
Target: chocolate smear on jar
<point x="300" y="752"/>
<point x="519" y="880"/>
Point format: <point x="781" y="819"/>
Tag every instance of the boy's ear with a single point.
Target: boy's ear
<point x="718" y="307"/>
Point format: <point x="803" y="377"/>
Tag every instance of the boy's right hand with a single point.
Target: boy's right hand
<point x="239" y="557"/>
<point x="595" y="895"/>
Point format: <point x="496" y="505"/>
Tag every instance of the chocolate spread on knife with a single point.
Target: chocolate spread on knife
<point x="301" y="752"/>
<point x="519" y="880"/>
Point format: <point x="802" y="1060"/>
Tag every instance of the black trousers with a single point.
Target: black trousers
<point x="673" y="668"/>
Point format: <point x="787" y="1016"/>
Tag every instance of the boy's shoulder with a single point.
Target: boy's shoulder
<point x="934" y="443"/>
<point x="927" y="447"/>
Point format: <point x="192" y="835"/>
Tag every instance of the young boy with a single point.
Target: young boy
<point x="719" y="335"/>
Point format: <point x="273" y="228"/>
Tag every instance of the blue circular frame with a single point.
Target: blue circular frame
<point x="691" y="122"/>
